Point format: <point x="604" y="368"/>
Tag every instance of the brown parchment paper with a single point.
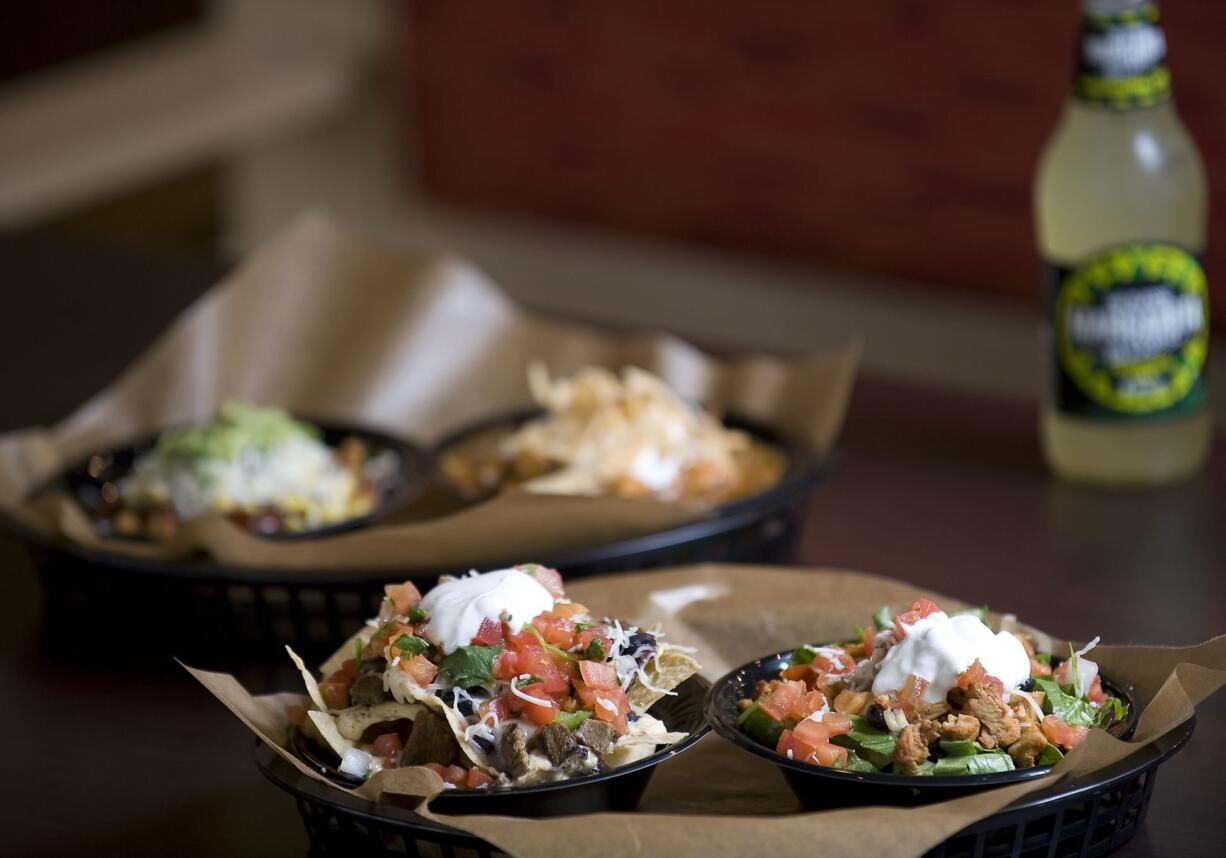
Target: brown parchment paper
<point x="717" y="800"/>
<point x="332" y="326"/>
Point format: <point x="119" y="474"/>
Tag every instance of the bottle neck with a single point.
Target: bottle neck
<point x="1121" y="56"/>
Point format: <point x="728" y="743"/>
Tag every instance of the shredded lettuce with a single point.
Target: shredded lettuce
<point x="869" y="743"/>
<point x="882" y="619"/>
<point x="974" y="764"/>
<point x="1078" y="711"/>
<point x="1049" y="756"/>
<point x="802" y="655"/>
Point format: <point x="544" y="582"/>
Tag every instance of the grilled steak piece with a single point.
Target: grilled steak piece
<point x="555" y="741"/>
<point x="515" y="751"/>
<point x="367" y="690"/>
<point x="597" y="735"/>
<point x="430" y="741"/>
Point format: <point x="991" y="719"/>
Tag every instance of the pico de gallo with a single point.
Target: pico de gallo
<point x="494" y="680"/>
<point x="922" y="692"/>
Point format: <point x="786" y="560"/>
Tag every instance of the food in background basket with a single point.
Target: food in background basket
<point x="925" y="693"/>
<point x="259" y="466"/>
<point x="494" y="680"/>
<point x="601" y="434"/>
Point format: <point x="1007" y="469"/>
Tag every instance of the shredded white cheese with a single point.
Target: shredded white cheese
<point x="528" y="697"/>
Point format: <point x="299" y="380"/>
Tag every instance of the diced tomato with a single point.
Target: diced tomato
<point x="609" y="704"/>
<point x="476" y="779"/>
<point x="559" y="631"/>
<point x="1064" y="672"/>
<point x="1039" y="669"/>
<point x="536" y="713"/>
<point x="498" y="705"/>
<point x="388" y="746"/>
<point x="919" y="609"/>
<point x="489" y="634"/>
<point x="403" y="596"/>
<point x="516" y="642"/>
<point x="1062" y="734"/>
<point x="569" y="609"/>
<point x="780" y="702"/>
<point x="348" y="669"/>
<point x="545" y="667"/>
<point x="797" y="672"/>
<point x="814" y="701"/>
<point x="820" y="754"/>
<point x="831" y="756"/>
<point x="868" y="640"/>
<point x="598" y="674"/>
<point x="976" y="674"/>
<point x="379" y="642"/>
<point x="420" y="669"/>
<point x="911" y="697"/>
<point x="818" y="732"/>
<point x="548" y="578"/>
<point x="450" y="774"/>
<point x="594" y="634"/>
<point x="1096" y="694"/>
<point x="335" y="694"/>
<point x="506" y="665"/>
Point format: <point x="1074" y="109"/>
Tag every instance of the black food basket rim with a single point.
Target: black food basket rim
<point x="290" y="779"/>
<point x="769" y="666"/>
<point x="1067" y="789"/>
<point x="806" y="469"/>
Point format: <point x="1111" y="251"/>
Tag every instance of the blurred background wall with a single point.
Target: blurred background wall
<point x="822" y="167"/>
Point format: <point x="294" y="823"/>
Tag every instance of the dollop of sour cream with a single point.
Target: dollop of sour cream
<point x="457" y="607"/>
<point x="939" y="648"/>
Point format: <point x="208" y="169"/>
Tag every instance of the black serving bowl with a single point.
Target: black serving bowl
<point x="617" y="789"/>
<point x="84" y="480"/>
<point x="819" y="787"/>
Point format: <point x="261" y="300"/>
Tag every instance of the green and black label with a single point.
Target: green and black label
<point x="1130" y="333"/>
<point x="1120" y="62"/>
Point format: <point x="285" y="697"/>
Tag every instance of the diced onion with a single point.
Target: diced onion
<point x="355" y="763"/>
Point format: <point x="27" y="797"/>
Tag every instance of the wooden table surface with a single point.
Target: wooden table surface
<point x="946" y="491"/>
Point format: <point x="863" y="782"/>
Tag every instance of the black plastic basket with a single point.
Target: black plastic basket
<point x="237" y="616"/>
<point x="1076" y="818"/>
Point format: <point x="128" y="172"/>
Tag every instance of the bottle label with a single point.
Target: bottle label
<point x="1130" y="333"/>
<point x="1120" y="62"/>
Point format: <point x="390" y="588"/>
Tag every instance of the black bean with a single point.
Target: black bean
<point x="875" y="716"/>
<point x="465" y="707"/>
<point x="447" y="695"/>
<point x="1028" y="685"/>
<point x="631" y="717"/>
<point x="483" y="743"/>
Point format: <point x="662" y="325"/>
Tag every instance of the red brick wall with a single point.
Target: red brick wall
<point x="896" y="136"/>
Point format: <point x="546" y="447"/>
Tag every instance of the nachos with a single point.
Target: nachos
<point x="603" y="434"/>
<point x="494" y="680"/>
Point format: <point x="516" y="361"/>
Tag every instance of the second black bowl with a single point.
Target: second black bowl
<point x="819" y="787"/>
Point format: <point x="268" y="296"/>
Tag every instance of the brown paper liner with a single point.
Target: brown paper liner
<point x="716" y="799"/>
<point x="334" y="327"/>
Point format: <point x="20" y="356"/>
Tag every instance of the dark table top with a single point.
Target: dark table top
<point x="944" y="490"/>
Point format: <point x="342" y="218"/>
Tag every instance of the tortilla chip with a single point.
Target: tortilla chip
<point x="355" y="720"/>
<point x="312" y="685"/>
<point x="326" y="725"/>
<point x="648" y="739"/>
<point x="347" y="651"/>
<point x="665" y="672"/>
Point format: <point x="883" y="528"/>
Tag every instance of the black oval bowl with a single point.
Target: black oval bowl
<point x="83" y="481"/>
<point x="801" y="469"/>
<point x="819" y="787"/>
<point x="617" y="789"/>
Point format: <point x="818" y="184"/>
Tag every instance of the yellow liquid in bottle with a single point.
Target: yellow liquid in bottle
<point x="1106" y="178"/>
